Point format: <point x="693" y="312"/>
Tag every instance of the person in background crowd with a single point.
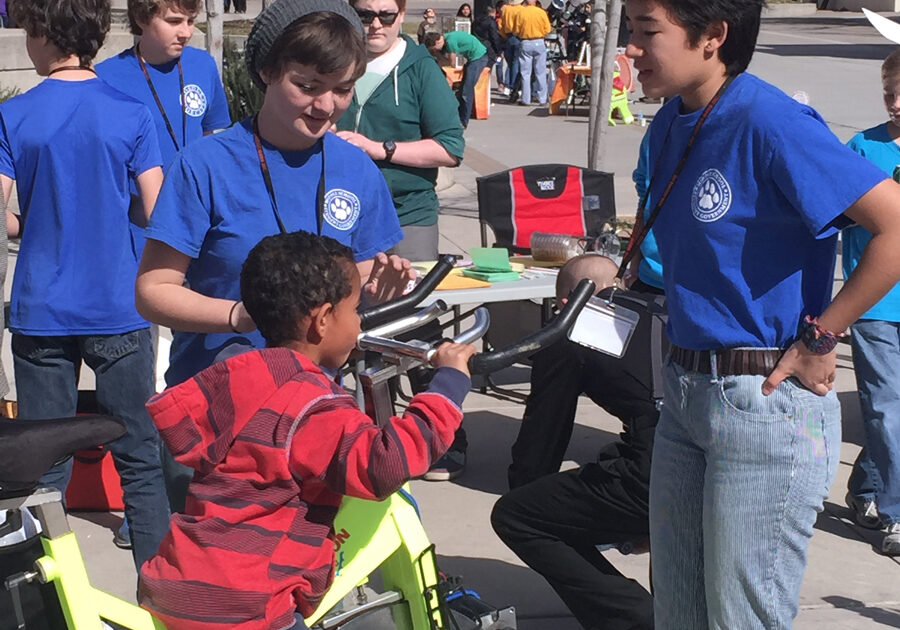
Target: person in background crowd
<point x="513" y="47"/>
<point x="464" y="12"/>
<point x="427" y="25"/>
<point x="531" y="26"/>
<point x="485" y="29"/>
<point x="461" y="44"/>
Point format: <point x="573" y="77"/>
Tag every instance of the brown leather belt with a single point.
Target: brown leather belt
<point x="729" y="361"/>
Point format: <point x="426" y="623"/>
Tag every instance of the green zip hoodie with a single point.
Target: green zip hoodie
<point x="413" y="102"/>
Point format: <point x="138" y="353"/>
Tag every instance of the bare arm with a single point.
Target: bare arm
<point x="877" y="272"/>
<point x="161" y="297"/>
<point x="148" y="185"/>
<point x="12" y="220"/>
<point x="425" y="153"/>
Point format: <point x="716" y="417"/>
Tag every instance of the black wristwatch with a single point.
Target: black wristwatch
<point x="389" y="147"/>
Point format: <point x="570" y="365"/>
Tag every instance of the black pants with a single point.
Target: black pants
<point x="553" y="525"/>
<point x="553" y="521"/>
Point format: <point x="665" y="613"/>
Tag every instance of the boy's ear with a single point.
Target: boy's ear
<point x="319" y="319"/>
<point x="715" y="35"/>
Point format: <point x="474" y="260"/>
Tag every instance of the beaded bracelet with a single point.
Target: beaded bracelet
<point x="817" y="339"/>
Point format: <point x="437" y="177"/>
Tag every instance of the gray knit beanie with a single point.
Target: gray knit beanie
<point x="277" y="17"/>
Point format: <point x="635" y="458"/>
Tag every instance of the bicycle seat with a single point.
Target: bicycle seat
<point x="29" y="448"/>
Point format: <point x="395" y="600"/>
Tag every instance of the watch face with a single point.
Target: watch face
<point x="390" y="146"/>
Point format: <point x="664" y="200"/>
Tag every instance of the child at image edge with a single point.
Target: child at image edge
<point x="275" y="444"/>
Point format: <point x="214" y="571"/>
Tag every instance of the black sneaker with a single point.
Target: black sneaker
<point x="865" y="511"/>
<point x="448" y="467"/>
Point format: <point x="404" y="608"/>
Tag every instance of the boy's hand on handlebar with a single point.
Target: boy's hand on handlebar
<point x="455" y="355"/>
<point x="388" y="279"/>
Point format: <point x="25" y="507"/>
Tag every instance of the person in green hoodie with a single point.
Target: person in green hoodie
<point x="404" y="116"/>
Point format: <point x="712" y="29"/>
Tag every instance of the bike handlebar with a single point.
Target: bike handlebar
<point x="487" y="362"/>
<point x="380" y="313"/>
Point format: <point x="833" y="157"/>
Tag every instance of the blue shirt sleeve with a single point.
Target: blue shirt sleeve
<point x="379" y="228"/>
<point x="819" y="176"/>
<point x="146" y="153"/>
<point x="217" y="115"/>
<point x="7" y="164"/>
<point x="181" y="217"/>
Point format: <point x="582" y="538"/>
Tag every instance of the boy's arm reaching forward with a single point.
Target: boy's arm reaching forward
<point x="338" y="444"/>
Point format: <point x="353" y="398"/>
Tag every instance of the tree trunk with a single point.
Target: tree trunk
<point x="604" y="38"/>
<point x="215" y="30"/>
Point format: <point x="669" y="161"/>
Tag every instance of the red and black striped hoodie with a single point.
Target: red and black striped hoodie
<point x="274" y="444"/>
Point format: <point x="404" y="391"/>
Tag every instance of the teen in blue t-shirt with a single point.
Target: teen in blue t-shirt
<point x="749" y="435"/>
<point x="72" y="145"/>
<point x="216" y="204"/>
<point x="874" y="485"/>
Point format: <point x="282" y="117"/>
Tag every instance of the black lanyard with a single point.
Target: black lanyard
<point x="64" y="68"/>
<point x="644" y="228"/>
<point x="159" y="105"/>
<point x="264" y="169"/>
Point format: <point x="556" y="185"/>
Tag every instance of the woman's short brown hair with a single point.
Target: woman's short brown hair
<point x="142" y="11"/>
<point x="75" y="27"/>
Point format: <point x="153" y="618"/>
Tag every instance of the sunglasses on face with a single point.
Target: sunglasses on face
<point x="385" y="17"/>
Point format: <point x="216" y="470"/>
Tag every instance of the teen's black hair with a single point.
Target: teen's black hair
<point x="286" y="276"/>
<point x="76" y="27"/>
<point x="742" y="16"/>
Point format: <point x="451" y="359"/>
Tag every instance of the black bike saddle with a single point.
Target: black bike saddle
<point x="29" y="448"/>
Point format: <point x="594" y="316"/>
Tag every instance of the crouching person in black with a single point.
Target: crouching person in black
<point x="553" y="520"/>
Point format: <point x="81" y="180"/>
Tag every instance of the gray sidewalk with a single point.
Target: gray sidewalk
<point x="835" y="58"/>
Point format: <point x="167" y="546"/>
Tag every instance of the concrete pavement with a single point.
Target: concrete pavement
<point x="834" y="58"/>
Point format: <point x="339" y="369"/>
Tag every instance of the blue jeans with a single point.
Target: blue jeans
<point x="876" y="359"/>
<point x="736" y="483"/>
<point x="511" y="53"/>
<point x="471" y="73"/>
<point x="46" y="371"/>
<point x="533" y="57"/>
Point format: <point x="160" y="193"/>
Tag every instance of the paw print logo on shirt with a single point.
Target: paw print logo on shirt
<point x="341" y="209"/>
<point x="194" y="100"/>
<point x="711" y="197"/>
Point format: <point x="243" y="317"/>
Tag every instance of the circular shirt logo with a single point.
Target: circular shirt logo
<point x="341" y="209"/>
<point x="711" y="198"/>
<point x="194" y="100"/>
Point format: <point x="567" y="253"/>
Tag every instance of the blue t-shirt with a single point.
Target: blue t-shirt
<point x="214" y="207"/>
<point x="73" y="147"/>
<point x="748" y="235"/>
<point x="650" y="269"/>
<point x="206" y="108"/>
<point x="874" y="144"/>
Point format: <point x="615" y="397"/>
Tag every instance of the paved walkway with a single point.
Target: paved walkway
<point x="835" y="58"/>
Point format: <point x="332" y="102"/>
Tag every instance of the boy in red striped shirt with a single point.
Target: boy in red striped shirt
<point x="275" y="444"/>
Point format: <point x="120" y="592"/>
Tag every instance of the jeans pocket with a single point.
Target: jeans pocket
<point x="31" y="348"/>
<point x="743" y="396"/>
<point x="112" y="347"/>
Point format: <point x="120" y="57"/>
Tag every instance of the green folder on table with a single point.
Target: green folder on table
<point x="490" y="264"/>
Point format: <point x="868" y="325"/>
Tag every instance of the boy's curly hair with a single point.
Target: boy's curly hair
<point x="76" y="27"/>
<point x="286" y="276"/>
<point x="142" y="11"/>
